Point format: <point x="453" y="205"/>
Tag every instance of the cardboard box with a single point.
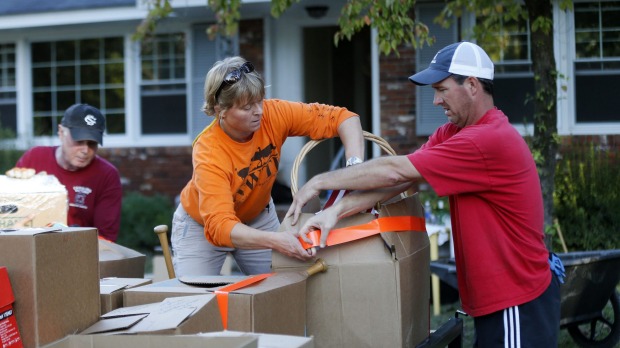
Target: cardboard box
<point x="9" y="332"/>
<point x="42" y="195"/>
<point x="55" y="277"/>
<point x="268" y="340"/>
<point x="276" y="304"/>
<point x="154" y="341"/>
<point x="376" y="290"/>
<point x="116" y="260"/>
<point x="173" y="316"/>
<point x="111" y="290"/>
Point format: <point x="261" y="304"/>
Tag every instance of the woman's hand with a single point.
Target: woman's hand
<point x="323" y="221"/>
<point x="286" y="243"/>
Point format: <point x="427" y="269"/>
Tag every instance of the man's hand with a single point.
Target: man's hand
<point x="288" y="244"/>
<point x="323" y="221"/>
<point x="301" y="198"/>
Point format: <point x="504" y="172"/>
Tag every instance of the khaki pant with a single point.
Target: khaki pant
<point x="194" y="255"/>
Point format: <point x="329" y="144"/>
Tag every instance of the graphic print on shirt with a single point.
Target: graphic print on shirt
<point x="263" y="166"/>
<point x="81" y="193"/>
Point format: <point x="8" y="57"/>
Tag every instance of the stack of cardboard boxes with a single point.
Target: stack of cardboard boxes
<point x="73" y="289"/>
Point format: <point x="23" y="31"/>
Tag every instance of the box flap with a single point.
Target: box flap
<point x="112" y="251"/>
<point x="6" y="292"/>
<point x="126" y="282"/>
<point x="114" y="324"/>
<point x="30" y="231"/>
<point x="106" y="289"/>
<point x="267" y="340"/>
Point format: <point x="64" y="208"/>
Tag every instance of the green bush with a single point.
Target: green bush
<point x="139" y="215"/>
<point x="8" y="155"/>
<point x="587" y="197"/>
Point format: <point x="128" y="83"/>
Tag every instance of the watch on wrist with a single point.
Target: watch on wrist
<point x="353" y="160"/>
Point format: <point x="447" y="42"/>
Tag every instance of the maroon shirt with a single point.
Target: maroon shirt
<point x="94" y="193"/>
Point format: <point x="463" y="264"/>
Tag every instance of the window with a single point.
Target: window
<point x="163" y="85"/>
<point x="87" y="71"/>
<point x="597" y="60"/>
<point x="509" y="48"/>
<point x="8" y="101"/>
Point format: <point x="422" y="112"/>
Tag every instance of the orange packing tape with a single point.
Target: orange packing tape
<point x="222" y="294"/>
<point x="379" y="225"/>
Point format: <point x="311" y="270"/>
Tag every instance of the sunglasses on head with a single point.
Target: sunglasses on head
<point x="234" y="76"/>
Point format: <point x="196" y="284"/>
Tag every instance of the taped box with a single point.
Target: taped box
<point x="116" y="260"/>
<point x="39" y="200"/>
<point x="55" y="279"/>
<point x="9" y="332"/>
<point x="376" y="290"/>
<point x="111" y="290"/>
<point x="276" y="304"/>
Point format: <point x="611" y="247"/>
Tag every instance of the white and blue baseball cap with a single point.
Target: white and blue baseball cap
<point x="461" y="58"/>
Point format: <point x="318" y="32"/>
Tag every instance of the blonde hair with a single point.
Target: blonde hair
<point x="250" y="87"/>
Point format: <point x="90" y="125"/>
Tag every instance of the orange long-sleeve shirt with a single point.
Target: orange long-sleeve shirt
<point x="232" y="181"/>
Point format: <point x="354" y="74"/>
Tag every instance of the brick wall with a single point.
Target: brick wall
<point x="397" y="98"/>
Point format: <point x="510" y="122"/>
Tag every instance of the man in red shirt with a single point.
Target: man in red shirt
<point x="486" y="169"/>
<point x="93" y="184"/>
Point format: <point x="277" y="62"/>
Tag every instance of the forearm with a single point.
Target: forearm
<point x="377" y="173"/>
<point x="246" y="237"/>
<point x="357" y="201"/>
<point x="350" y="133"/>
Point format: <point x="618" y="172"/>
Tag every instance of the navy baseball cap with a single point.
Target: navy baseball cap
<point x="85" y="123"/>
<point x="461" y="58"/>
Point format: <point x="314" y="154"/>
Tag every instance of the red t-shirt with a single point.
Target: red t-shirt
<point x="94" y="193"/>
<point x="496" y="208"/>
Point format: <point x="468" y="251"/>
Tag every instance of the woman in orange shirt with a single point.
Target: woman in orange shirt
<point x="226" y="207"/>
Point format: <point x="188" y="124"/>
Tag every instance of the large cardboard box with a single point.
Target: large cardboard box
<point x="41" y="196"/>
<point x="111" y="290"/>
<point x="276" y="304"/>
<point x="173" y="316"/>
<point x="55" y="278"/>
<point x="155" y="341"/>
<point x="376" y="290"/>
<point x="116" y="260"/>
<point x="9" y="332"/>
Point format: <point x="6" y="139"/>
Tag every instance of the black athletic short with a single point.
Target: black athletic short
<point x="534" y="324"/>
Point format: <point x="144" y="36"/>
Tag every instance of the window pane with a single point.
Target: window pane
<point x="8" y="119"/>
<point x="65" y="76"/>
<point x="115" y="98"/>
<point x="43" y="126"/>
<point x="113" y="48"/>
<point x="114" y="73"/>
<point x="115" y="123"/>
<point x="587" y="44"/>
<point x="42" y="101"/>
<point x="64" y="99"/>
<point x="596" y="98"/>
<point x="41" y="77"/>
<point x="89" y="50"/>
<point x="65" y="51"/>
<point x="164" y="114"/>
<point x="92" y="97"/>
<point x="89" y="74"/>
<point x="41" y="52"/>
<point x="611" y="44"/>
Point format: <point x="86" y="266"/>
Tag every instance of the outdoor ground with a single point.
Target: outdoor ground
<point x="448" y="311"/>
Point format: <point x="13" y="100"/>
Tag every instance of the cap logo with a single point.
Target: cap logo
<point x="90" y="120"/>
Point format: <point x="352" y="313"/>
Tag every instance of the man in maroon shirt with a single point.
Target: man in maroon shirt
<point x="93" y="184"/>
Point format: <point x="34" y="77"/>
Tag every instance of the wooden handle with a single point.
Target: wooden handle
<point x="162" y="233"/>
<point x="319" y="266"/>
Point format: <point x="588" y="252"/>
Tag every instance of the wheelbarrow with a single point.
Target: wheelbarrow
<point x="590" y="303"/>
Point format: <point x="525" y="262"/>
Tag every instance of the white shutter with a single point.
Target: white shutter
<point x="203" y="56"/>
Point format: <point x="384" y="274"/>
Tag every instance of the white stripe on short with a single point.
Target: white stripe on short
<point x="512" y="330"/>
